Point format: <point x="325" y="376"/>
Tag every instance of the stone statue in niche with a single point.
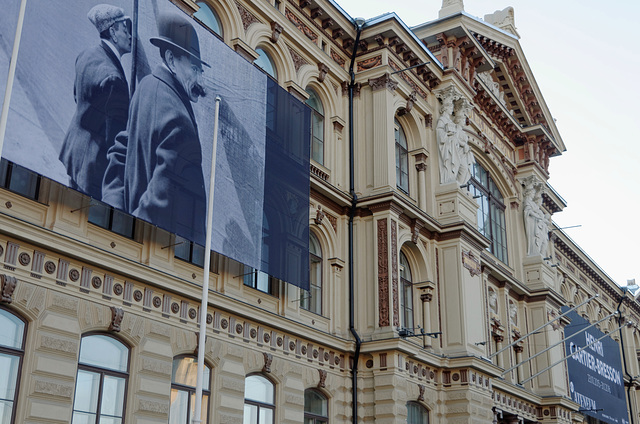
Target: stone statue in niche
<point x="466" y="160"/>
<point x="455" y="156"/>
<point x="445" y="131"/>
<point x="536" y="221"/>
<point x="513" y="314"/>
<point x="493" y="301"/>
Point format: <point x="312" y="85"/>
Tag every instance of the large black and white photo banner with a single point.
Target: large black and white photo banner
<point x="73" y="118"/>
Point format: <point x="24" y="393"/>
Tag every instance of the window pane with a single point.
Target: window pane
<point x="8" y="376"/>
<point x="182" y="249"/>
<point x="178" y="408"/>
<point x="11" y="330"/>
<point x="104" y="352"/>
<point x="4" y="168"/>
<point x="315" y="403"/>
<point x="122" y="224"/>
<point x="185" y="372"/>
<point x="204" y="408"/>
<point x="263" y="282"/>
<point x="266" y="416"/>
<point x="83" y="418"/>
<point x="23" y="181"/>
<point x="197" y="255"/>
<point x="259" y="389"/>
<point x="207" y="17"/>
<point x="250" y="414"/>
<point x="112" y="396"/>
<point x="99" y="214"/>
<point x="6" y="408"/>
<point x="265" y="63"/>
<point x="87" y="387"/>
<point x="110" y="420"/>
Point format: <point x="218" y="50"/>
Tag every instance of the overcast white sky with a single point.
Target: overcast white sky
<point x="586" y="61"/>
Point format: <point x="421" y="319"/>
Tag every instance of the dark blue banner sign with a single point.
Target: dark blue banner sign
<point x="145" y="146"/>
<point x="596" y="382"/>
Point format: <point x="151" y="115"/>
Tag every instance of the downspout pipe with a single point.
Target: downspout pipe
<point x="624" y="358"/>
<point x="359" y="22"/>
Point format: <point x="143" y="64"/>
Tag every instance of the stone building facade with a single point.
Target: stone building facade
<point x="446" y="197"/>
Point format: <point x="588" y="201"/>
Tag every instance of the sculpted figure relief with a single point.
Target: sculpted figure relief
<point x="536" y="221"/>
<point x="455" y="156"/>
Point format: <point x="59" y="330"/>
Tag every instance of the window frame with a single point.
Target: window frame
<point x="19" y="353"/>
<point x="402" y="157"/>
<point x="192" y="248"/>
<point x="7" y="172"/>
<point x="406" y="287"/>
<point x="492" y="223"/>
<point x="110" y="225"/>
<point x="206" y="4"/>
<point x="306" y="296"/>
<point x="258" y="404"/>
<point x="421" y="408"/>
<point x="206" y="391"/>
<point x="102" y="372"/>
<point x="317" y="120"/>
<point x="316" y="419"/>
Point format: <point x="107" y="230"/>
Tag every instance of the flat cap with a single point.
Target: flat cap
<point x="102" y="16"/>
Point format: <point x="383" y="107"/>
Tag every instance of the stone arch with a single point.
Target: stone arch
<point x="229" y="17"/>
<point x="411" y="129"/>
<point x="259" y="36"/>
<point x="417" y="257"/>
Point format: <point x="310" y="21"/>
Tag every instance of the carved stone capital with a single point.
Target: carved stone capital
<point x="421" y="166"/>
<point x="383" y="82"/>
<point x="8" y="286"/>
<point x="426" y="297"/>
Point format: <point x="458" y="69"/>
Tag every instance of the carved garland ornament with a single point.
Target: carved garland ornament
<point x="383" y="274"/>
<point x="8" y="285"/>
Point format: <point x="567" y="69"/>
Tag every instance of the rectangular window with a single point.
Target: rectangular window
<point x="189" y="251"/>
<point x="19" y="180"/>
<point x="260" y="281"/>
<point x="111" y="219"/>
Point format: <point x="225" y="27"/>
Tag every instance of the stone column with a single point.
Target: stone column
<point x="426" y="296"/>
<point x="421" y="167"/>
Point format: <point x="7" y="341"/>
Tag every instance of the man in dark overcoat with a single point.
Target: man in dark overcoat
<point x="102" y="97"/>
<point x="155" y="167"/>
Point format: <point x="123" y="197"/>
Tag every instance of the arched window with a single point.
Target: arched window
<point x="316" y="410"/>
<point x="103" y="369"/>
<point x="406" y="296"/>
<point x="417" y="414"/>
<point x="183" y="390"/>
<point x="491" y="221"/>
<point x="207" y="16"/>
<point x="317" y="126"/>
<point x="265" y="63"/>
<point x="312" y="300"/>
<point x="402" y="158"/>
<point x="12" y="332"/>
<point x="259" y="400"/>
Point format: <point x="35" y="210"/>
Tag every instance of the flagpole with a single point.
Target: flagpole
<point x="12" y="73"/>
<point x="197" y="414"/>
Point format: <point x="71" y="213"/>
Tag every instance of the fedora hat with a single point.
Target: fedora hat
<point x="175" y="31"/>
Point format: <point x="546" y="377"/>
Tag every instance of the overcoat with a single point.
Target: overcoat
<point x="102" y="98"/>
<point x="155" y="167"/>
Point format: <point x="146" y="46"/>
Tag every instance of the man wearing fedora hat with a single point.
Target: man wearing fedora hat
<point x="102" y="97"/>
<point x="155" y="167"/>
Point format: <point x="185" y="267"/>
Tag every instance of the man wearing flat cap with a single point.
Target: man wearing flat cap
<point x="155" y="167"/>
<point x="102" y="97"/>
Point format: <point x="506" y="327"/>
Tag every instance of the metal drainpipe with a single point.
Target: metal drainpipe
<point x="354" y="201"/>
<point x="624" y="359"/>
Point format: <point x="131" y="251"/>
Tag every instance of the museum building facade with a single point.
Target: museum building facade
<point x="432" y="252"/>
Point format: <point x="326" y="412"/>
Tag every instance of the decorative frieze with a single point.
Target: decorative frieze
<point x="383" y="274"/>
<point x="297" y="22"/>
